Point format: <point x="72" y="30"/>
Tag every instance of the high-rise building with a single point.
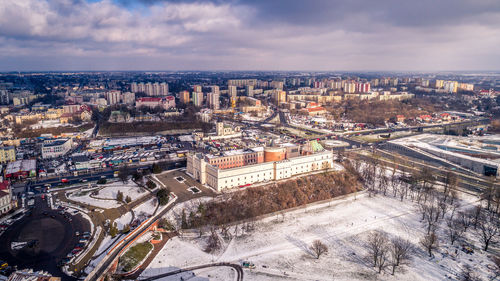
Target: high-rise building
<point x="439" y="84"/>
<point x="350" y="87"/>
<point x="4" y="97"/>
<point x="450" y="86"/>
<point x="197" y="98"/>
<point x="242" y="82"/>
<point x="213" y="100"/>
<point x="277" y="85"/>
<point x="363" y="87"/>
<point x="163" y="89"/>
<point x="113" y="97"/>
<point x="128" y="98"/>
<point x="134" y="88"/>
<point x="466" y="86"/>
<point x="232" y="91"/>
<point x="197" y="89"/>
<point x="249" y="90"/>
<point x="148" y="89"/>
<point x="278" y="97"/>
<point x="184" y="97"/>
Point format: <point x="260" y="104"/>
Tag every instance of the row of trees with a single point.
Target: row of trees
<point x="442" y="214"/>
<point x="258" y="201"/>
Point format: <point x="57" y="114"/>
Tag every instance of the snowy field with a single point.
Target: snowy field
<point x="174" y="216"/>
<point x="279" y="246"/>
<point x="105" y="197"/>
<point x="146" y="209"/>
<point x="128" y="189"/>
<point x="84" y="197"/>
<point x="124" y="220"/>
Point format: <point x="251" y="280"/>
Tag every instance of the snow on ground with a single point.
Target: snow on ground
<point x="175" y="214"/>
<point x="128" y="189"/>
<point x="106" y="242"/>
<point x="84" y="197"/>
<point x="146" y="209"/>
<point x="280" y="247"/>
<point x="124" y="220"/>
<point x="178" y="253"/>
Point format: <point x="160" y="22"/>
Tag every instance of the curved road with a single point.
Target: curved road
<point x="237" y="267"/>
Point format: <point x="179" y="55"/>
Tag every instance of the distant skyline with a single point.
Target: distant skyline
<point x="314" y="35"/>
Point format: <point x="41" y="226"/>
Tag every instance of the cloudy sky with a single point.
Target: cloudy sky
<point x="426" y="35"/>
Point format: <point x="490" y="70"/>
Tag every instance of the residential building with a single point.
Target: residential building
<point x="113" y="97"/>
<point x="213" y="100"/>
<point x="197" y="98"/>
<point x="278" y="96"/>
<point x="5" y="197"/>
<point x="232" y="91"/>
<point x="349" y="87"/>
<point x="184" y="97"/>
<point x="450" y="86"/>
<point x="7" y="154"/>
<point x="4" y="97"/>
<point x="128" y="98"/>
<point x="363" y="87"/>
<point x="277" y="85"/>
<point x="249" y="90"/>
<point x="242" y="82"/>
<point x="197" y="89"/>
<point x="166" y="102"/>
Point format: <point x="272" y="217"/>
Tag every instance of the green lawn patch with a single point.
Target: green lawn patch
<point x="134" y="256"/>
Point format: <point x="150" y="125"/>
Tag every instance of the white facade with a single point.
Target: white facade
<point x="5" y="202"/>
<point x="220" y="179"/>
<point x="56" y="148"/>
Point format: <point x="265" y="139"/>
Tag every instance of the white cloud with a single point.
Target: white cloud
<point x="104" y="35"/>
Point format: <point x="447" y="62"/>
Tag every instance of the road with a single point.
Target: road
<point x="54" y="232"/>
<point x="467" y="181"/>
<point x="236" y="267"/>
<point x="94" y="176"/>
<point x="182" y="195"/>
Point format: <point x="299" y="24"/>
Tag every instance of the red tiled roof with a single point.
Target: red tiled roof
<point x="4" y="185"/>
<point x="149" y="99"/>
<point x="315" y="109"/>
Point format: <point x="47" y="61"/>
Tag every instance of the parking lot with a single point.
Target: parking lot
<point x="50" y="236"/>
<point x="183" y="185"/>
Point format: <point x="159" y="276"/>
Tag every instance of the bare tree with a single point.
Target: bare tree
<point x="443" y="205"/>
<point x="489" y="193"/>
<point x="431" y="214"/>
<point x="496" y="262"/>
<point x="394" y="181"/>
<point x="477" y="213"/>
<point x="489" y="227"/>
<point x="400" y="250"/>
<point x="454" y="229"/>
<point x="430" y="242"/>
<point x="382" y="258"/>
<point x="465" y="220"/>
<point x="377" y="248"/>
<point x="383" y="183"/>
<point x="213" y="242"/>
<point x="450" y="183"/>
<point x="318" y="248"/>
